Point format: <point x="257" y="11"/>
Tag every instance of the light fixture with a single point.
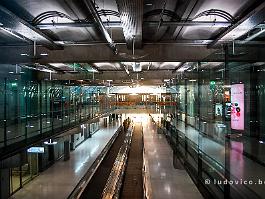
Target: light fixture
<point x="44" y="54"/>
<point x="50" y="142"/>
<point x="24" y="54"/>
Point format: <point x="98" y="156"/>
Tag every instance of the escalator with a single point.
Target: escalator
<point x="119" y="172"/>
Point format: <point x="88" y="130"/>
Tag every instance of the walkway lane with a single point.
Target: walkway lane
<point x="59" y="180"/>
<point x="165" y="181"/>
<point x="240" y="166"/>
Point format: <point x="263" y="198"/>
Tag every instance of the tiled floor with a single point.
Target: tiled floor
<point x="58" y="181"/>
<point x="165" y="181"/>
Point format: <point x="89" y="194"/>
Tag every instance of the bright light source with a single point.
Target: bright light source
<point x="44" y="54"/>
<point x="24" y="54"/>
<point x="227" y="86"/>
<point x="50" y="142"/>
<point x="192" y="80"/>
<point x="261" y="142"/>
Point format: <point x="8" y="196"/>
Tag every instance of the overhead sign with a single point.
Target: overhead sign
<point x="237" y="106"/>
<point x="36" y="150"/>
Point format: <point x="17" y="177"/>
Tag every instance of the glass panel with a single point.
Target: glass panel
<point x="16" y="179"/>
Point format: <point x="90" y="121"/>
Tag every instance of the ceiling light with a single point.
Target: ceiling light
<point x="44" y="54"/>
<point x="192" y="80"/>
<point x="50" y="142"/>
<point x="24" y="54"/>
<point x="148" y="4"/>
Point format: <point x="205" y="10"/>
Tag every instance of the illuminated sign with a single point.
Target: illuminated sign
<point x="218" y="109"/>
<point x="237" y="106"/>
<point x="36" y="150"/>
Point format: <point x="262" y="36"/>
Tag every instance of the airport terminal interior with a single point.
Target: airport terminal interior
<point x="132" y="99"/>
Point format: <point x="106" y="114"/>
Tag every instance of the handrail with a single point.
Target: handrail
<point x="80" y="187"/>
<point x="114" y="182"/>
<point x="219" y="169"/>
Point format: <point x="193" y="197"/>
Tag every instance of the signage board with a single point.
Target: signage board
<point x="237" y="106"/>
<point x="35" y="150"/>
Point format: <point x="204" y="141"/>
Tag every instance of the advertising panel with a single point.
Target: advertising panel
<point x="237" y="106"/>
<point x="218" y="109"/>
<point x="36" y="150"/>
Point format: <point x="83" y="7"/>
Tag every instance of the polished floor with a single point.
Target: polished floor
<point x="164" y="180"/>
<point x="59" y="180"/>
<point x="240" y="166"/>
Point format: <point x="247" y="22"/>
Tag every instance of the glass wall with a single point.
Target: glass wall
<point x="21" y="175"/>
<point x="29" y="107"/>
<point x="219" y="131"/>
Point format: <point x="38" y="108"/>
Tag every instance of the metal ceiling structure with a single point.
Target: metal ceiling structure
<point x="103" y="36"/>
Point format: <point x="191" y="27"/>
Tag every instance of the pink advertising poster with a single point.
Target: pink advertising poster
<point x="237" y="106"/>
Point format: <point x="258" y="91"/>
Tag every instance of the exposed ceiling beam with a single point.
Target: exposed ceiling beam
<point x="117" y="24"/>
<point x="102" y="53"/>
<point x="16" y="25"/>
<point x="242" y="27"/>
<point x="91" y="7"/>
<point x="190" y="6"/>
<point x="131" y="14"/>
<point x="16" y="35"/>
<point x="111" y="24"/>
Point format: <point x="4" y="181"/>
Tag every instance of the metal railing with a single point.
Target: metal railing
<point x="190" y="155"/>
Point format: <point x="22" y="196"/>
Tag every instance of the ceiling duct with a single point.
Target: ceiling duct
<point x="90" y="5"/>
<point x="131" y="14"/>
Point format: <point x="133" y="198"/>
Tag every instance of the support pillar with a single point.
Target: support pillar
<point x="66" y="150"/>
<point x="4" y="183"/>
